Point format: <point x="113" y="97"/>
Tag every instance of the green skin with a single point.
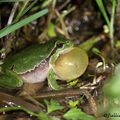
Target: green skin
<point x="31" y="57"/>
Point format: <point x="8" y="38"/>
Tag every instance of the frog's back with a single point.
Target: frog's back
<point x="29" y="58"/>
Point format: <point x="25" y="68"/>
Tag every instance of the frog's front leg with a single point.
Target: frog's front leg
<point x="10" y="79"/>
<point x="52" y="80"/>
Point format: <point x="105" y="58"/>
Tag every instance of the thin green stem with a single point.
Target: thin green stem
<point x="112" y="23"/>
<point x="29" y="7"/>
<point x="87" y="45"/>
<point x="11" y="0"/>
<point x="22" y="9"/>
<point x="14" y="108"/>
<point x="68" y="11"/>
<point x="103" y="11"/>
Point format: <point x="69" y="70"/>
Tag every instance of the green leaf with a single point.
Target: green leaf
<point x="117" y="43"/>
<point x="114" y="112"/>
<point x="96" y="51"/>
<point x="53" y="105"/>
<point x="77" y="114"/>
<point x="112" y="86"/>
<point x="73" y="103"/>
<point x="10" y="80"/>
<point x="21" y="23"/>
<point x="51" y="30"/>
<point x="44" y="116"/>
<point x="73" y="82"/>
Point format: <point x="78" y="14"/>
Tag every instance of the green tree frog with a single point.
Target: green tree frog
<point x="55" y="59"/>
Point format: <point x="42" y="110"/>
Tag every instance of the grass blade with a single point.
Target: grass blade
<point x="21" y="10"/>
<point x="13" y="0"/>
<point x="103" y="11"/>
<point x="112" y="22"/>
<point x="28" y="8"/>
<point x="21" y="23"/>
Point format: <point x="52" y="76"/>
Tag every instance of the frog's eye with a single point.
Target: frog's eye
<point x="71" y="64"/>
<point x="60" y="45"/>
